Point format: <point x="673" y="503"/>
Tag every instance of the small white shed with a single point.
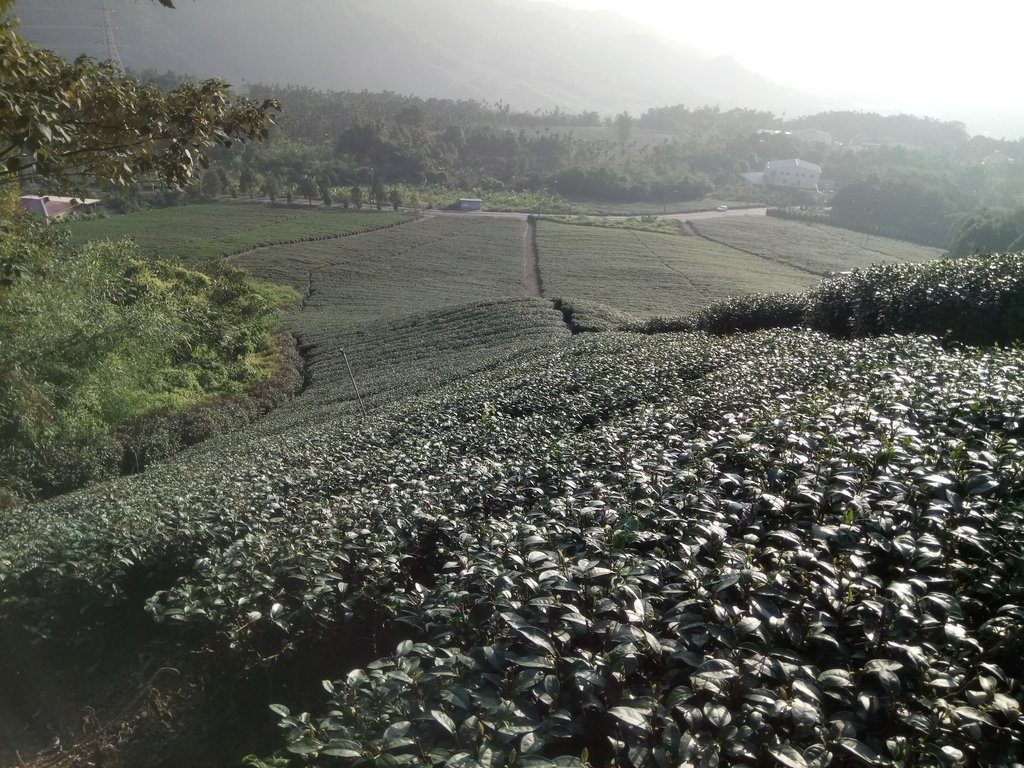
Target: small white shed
<point x="52" y="206"/>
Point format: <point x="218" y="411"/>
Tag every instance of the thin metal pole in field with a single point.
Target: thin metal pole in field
<point x="354" y="387"/>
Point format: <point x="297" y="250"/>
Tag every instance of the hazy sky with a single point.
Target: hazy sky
<point x="928" y="57"/>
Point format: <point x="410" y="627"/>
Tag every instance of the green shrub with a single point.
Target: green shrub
<point x="751" y="313"/>
<point x="978" y="301"/>
<point x="96" y="336"/>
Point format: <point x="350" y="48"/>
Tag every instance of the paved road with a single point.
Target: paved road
<point x="694" y="215"/>
<point x="717" y="214"/>
<point x="522" y="215"/>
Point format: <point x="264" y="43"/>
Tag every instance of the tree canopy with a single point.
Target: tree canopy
<point x="989" y="231"/>
<point x="73" y="121"/>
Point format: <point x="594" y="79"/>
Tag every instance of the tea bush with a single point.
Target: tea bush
<point x="738" y="575"/>
<point x="977" y="300"/>
<point x="751" y="313"/>
<point x="770" y="548"/>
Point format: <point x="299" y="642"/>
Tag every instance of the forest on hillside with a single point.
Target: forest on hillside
<point x="916" y="178"/>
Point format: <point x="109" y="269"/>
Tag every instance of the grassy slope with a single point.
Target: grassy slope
<point x="817" y="248"/>
<point x="650" y="274"/>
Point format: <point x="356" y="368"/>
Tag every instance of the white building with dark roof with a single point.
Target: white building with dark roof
<point x="791" y="174"/>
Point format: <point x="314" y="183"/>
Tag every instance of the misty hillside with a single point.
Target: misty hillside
<point x="532" y="56"/>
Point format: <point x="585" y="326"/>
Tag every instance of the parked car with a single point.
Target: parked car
<point x="722" y="208"/>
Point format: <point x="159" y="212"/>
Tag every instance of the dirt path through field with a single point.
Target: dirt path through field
<point x="531" y="262"/>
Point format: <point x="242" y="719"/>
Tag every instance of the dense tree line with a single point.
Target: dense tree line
<point x="344" y="139"/>
<point x="934" y="168"/>
<point x="850" y="127"/>
<point x="917" y="208"/>
<point x="900" y="174"/>
<point x="989" y="231"/>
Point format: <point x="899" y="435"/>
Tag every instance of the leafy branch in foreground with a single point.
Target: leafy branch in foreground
<point x="66" y="120"/>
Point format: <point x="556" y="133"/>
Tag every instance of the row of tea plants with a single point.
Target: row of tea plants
<point x="823" y="569"/>
<point x="977" y="300"/>
<point x="764" y="549"/>
<point x="812" y="247"/>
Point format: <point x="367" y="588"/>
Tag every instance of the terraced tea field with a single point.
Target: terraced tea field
<point x="649" y="274"/>
<point x="197" y="233"/>
<point x="815" y="248"/>
<point x="619" y="536"/>
<point x="387" y="360"/>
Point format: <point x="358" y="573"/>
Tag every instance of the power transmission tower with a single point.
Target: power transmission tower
<point x="109" y="38"/>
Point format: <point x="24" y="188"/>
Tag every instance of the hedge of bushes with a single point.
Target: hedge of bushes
<point x="978" y="301"/>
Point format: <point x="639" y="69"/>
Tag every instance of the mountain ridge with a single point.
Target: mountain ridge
<point x="538" y="56"/>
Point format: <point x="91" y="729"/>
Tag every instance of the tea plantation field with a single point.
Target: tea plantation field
<point x="648" y="274"/>
<point x="621" y="549"/>
<point x="388" y="361"/>
<point x="419" y="266"/>
<point x="523" y="546"/>
<point x="194" y="234"/>
<point x="816" y="248"/>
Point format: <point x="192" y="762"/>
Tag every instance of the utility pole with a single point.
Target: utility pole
<point x="354" y="387"/>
